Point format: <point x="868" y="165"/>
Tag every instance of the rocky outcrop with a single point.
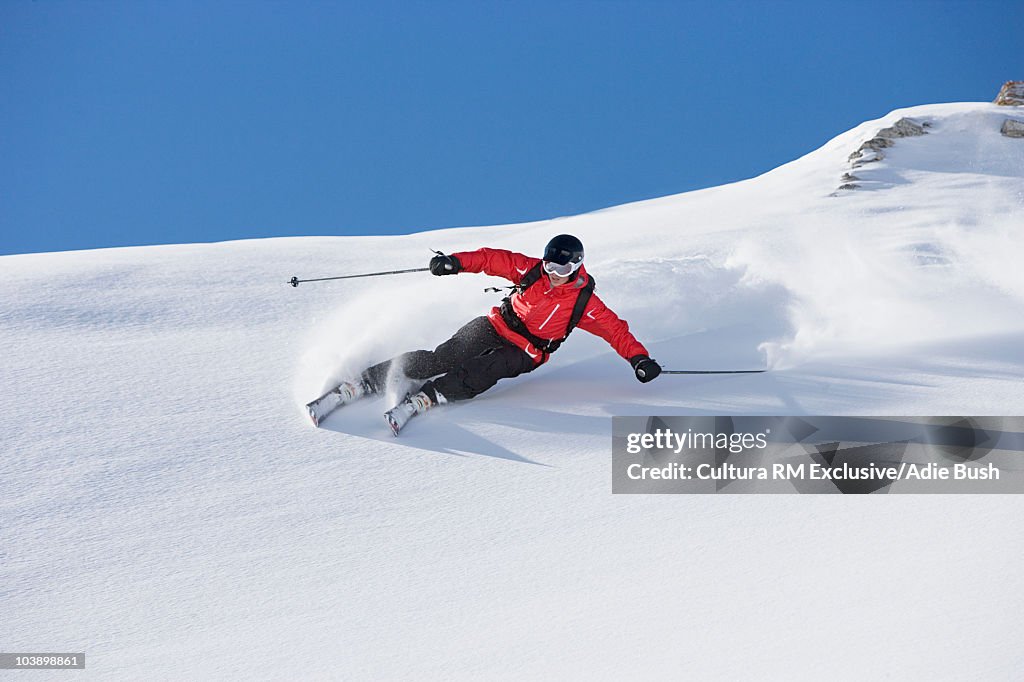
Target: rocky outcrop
<point x="869" y="152"/>
<point x="1012" y="94"/>
<point x="1012" y="128"/>
<point x="905" y="127"/>
<point x="886" y="137"/>
<point x="873" y="150"/>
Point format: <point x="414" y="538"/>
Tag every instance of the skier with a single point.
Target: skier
<point x="551" y="296"/>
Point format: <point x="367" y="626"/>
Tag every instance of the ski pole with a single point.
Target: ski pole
<point x="295" y="281"/>
<point x="712" y="371"/>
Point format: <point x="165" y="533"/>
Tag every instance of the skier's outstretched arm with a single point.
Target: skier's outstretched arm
<point x="601" y="321"/>
<point x="496" y="262"/>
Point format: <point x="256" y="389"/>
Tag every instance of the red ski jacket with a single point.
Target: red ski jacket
<point x="546" y="309"/>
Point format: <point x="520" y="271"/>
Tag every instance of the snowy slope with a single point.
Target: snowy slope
<point x="167" y="509"/>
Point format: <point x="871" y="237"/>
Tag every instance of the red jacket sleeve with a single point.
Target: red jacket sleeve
<point x="598" y="319"/>
<point x="496" y="262"/>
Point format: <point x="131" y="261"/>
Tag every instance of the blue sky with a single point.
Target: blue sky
<point x="168" y="122"/>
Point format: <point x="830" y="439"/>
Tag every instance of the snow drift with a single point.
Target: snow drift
<point x="167" y="509"/>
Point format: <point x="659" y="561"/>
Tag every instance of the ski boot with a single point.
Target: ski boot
<point x="399" y="415"/>
<point x="343" y="393"/>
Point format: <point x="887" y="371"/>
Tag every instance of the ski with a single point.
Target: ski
<point x="342" y="394"/>
<point x="399" y="415"/>
<point x="396" y="427"/>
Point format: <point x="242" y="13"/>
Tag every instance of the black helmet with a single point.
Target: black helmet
<point x="563" y="255"/>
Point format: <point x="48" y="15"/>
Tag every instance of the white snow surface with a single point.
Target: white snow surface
<point x="166" y="507"/>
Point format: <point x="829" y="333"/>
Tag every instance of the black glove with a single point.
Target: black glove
<point x="645" y="368"/>
<point x="445" y="265"/>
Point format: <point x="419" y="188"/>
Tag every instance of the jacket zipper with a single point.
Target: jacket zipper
<point x="557" y="306"/>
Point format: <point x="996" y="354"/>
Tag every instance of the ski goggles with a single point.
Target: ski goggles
<point x="558" y="270"/>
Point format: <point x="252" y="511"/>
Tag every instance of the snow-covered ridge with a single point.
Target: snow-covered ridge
<point x="168" y="510"/>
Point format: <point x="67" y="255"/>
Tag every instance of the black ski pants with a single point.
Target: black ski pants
<point x="462" y="367"/>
